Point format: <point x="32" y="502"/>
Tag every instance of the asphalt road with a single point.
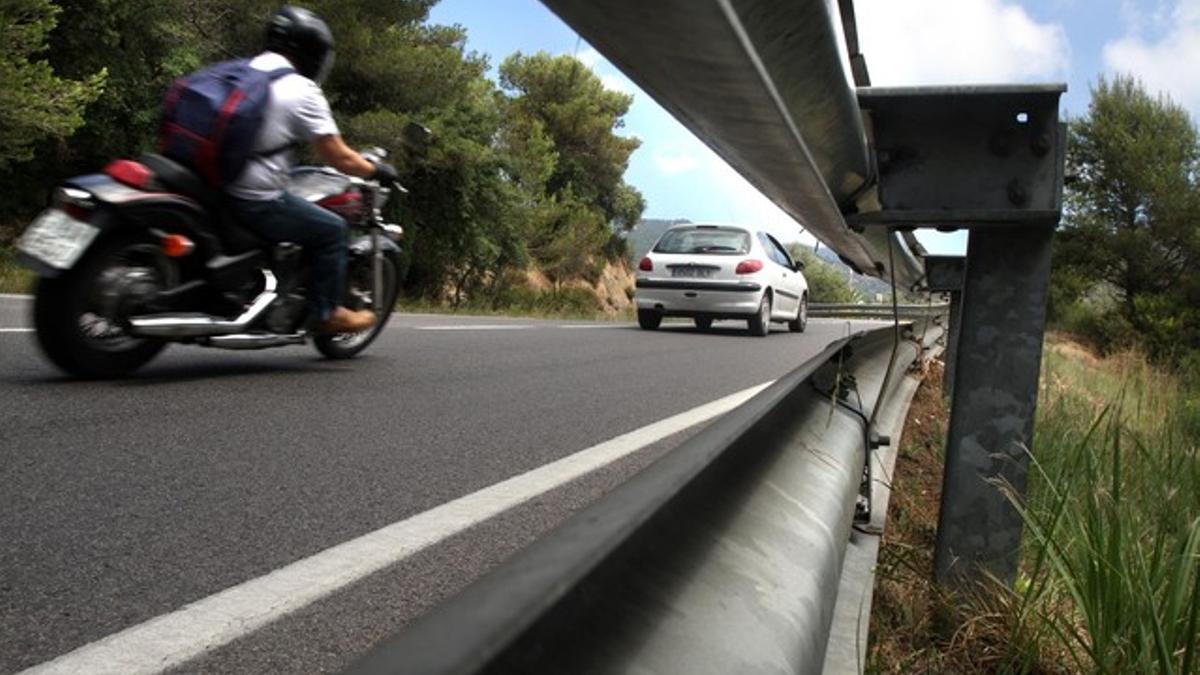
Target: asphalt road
<point x="125" y="501"/>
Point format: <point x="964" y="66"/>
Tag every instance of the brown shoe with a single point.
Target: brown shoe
<point x="347" y="321"/>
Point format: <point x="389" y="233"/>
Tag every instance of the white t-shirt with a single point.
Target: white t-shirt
<point x="297" y="112"/>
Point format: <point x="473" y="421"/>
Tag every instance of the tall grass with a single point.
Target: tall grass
<point x="1110" y="574"/>
<point x="13" y="277"/>
<point x="1112" y="546"/>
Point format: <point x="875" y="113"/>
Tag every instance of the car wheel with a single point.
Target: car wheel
<point x="703" y="323"/>
<point x="798" y="324"/>
<point x="649" y="319"/>
<point x="760" y="323"/>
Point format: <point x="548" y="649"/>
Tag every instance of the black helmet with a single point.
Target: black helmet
<point x="304" y="38"/>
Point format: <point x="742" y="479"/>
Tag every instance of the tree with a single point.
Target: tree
<point x="1132" y="212"/>
<point x="584" y="196"/>
<point x="35" y="103"/>
<point x="825" y="282"/>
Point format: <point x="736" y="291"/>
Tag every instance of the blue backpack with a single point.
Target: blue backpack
<point x="212" y="117"/>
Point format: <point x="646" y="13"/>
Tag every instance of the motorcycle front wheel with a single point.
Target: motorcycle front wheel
<point x="360" y="284"/>
<point x="79" y="317"/>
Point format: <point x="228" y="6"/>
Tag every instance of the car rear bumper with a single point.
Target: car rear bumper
<point x="706" y="286"/>
<point x="699" y="299"/>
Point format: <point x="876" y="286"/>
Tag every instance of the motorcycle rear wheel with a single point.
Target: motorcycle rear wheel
<point x="77" y="317"/>
<point x="359" y="280"/>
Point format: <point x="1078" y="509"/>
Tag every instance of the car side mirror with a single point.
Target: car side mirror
<point x="798" y="266"/>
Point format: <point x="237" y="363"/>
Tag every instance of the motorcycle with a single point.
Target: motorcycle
<point x="145" y="254"/>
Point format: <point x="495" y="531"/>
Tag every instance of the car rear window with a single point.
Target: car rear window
<point x="715" y="240"/>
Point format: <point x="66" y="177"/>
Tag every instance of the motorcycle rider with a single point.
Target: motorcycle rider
<point x="299" y="113"/>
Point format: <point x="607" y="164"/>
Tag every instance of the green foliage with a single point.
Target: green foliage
<point x="13" y="278"/>
<point x="581" y="116"/>
<point x="1130" y="221"/>
<point x="825" y="283"/>
<point x="1113" y="518"/>
<point x="35" y="103"/>
<point x="530" y="173"/>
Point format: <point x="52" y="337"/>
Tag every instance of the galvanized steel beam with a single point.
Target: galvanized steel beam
<point x="966" y="156"/>
<point x="993" y="403"/>
<point x="947" y="274"/>
<point x="763" y="83"/>
<point x="724" y="556"/>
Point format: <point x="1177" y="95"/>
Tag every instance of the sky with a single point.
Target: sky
<point x="906" y="42"/>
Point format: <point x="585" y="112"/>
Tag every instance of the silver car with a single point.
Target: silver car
<point x="710" y="272"/>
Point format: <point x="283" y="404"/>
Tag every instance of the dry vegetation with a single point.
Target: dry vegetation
<point x="1110" y="577"/>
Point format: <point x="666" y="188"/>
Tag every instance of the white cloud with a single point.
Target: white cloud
<point x="677" y="161"/>
<point x="616" y="83"/>
<point x="918" y="42"/>
<point x="1167" y="62"/>
<point x="590" y="57"/>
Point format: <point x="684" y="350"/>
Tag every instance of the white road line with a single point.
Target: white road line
<point x="16" y="330"/>
<point x="595" y="325"/>
<point x="500" y="326"/>
<point x="15" y="296"/>
<point x="172" y="639"/>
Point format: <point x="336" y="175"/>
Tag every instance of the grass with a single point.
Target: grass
<point x="13" y="277"/>
<point x="569" y="303"/>
<point x="1110" y="576"/>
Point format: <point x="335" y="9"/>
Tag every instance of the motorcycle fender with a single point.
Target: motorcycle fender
<point x="362" y="246"/>
<point x="106" y="190"/>
<point x="117" y="205"/>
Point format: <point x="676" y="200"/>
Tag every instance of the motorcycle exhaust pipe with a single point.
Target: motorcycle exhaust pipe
<point x="252" y="341"/>
<point x="205" y="325"/>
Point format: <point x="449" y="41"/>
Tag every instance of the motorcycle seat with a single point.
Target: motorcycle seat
<point x="235" y="236"/>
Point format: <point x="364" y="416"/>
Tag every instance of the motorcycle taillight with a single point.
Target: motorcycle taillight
<point x="75" y="203"/>
<point x="346" y="204"/>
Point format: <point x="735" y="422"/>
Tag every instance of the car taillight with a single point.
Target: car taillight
<point x="129" y="172"/>
<point x="646" y="265"/>
<point x="749" y="267"/>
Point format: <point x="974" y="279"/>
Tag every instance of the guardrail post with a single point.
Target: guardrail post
<point x="953" y="327"/>
<point x="945" y="274"/>
<point x="994" y="399"/>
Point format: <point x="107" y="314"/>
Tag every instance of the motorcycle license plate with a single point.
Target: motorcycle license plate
<point x="57" y="239"/>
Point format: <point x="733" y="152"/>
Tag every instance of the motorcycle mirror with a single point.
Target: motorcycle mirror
<point x="416" y="136"/>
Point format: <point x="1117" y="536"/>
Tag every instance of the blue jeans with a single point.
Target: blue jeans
<point x="321" y="233"/>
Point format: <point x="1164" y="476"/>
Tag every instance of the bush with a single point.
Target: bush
<point x="1107" y="330"/>
<point x="525" y="300"/>
<point x="1091" y="313"/>
<point x="13" y="277"/>
<point x="825" y="283"/>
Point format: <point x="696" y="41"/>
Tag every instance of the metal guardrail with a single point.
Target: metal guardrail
<point x="858" y="311"/>
<point x="723" y="556"/>
<point x="862" y="167"/>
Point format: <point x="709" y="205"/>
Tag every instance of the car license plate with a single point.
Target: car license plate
<point x="57" y="239"/>
<point x="692" y="272"/>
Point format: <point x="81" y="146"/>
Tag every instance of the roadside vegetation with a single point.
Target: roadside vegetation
<point x="1110" y="573"/>
<point x="826" y="284"/>
<point x="524" y="172"/>
<point x="1110" y="563"/>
